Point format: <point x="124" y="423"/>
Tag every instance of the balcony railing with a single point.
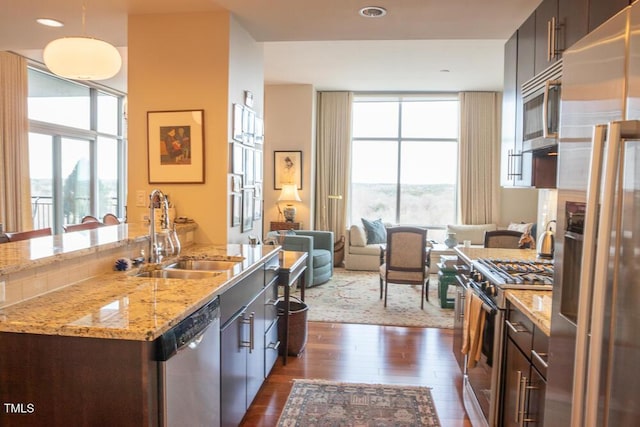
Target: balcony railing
<point x="42" y="211"/>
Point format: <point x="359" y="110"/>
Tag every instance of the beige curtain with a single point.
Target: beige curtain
<point x="479" y="157"/>
<point x="333" y="161"/>
<point x="15" y="188"/>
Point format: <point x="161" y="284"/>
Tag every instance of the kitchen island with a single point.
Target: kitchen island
<point x="84" y="353"/>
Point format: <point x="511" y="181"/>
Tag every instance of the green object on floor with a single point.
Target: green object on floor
<point x="446" y="277"/>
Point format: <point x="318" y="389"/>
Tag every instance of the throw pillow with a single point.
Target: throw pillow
<point x="376" y="232"/>
<point x="521" y="227"/>
<point x="357" y="236"/>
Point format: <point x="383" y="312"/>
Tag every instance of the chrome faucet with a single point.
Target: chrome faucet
<point x="157" y="197"/>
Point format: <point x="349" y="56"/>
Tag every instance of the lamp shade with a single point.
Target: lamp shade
<point x="82" y="58"/>
<point x="289" y="193"/>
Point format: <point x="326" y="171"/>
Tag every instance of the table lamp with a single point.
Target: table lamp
<point x="289" y="194"/>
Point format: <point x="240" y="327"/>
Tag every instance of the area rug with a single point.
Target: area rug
<point x="354" y="297"/>
<point x="320" y="403"/>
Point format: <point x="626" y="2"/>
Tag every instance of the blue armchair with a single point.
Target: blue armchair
<point x="319" y="246"/>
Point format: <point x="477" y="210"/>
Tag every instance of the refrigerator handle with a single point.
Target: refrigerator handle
<point x="586" y="277"/>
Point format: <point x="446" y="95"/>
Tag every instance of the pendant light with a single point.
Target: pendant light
<point x="82" y="57"/>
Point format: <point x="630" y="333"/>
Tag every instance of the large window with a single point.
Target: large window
<point x="405" y="159"/>
<point x="76" y="151"/>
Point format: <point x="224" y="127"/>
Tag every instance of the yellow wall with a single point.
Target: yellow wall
<point x="180" y="62"/>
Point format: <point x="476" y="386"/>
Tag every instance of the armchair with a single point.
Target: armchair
<point x="319" y="246"/>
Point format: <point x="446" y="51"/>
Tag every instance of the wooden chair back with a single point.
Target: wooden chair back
<point x="82" y="226"/>
<point x="25" y="235"/>
<point x="89" y="218"/>
<point x="509" y="239"/>
<point x="110" y="219"/>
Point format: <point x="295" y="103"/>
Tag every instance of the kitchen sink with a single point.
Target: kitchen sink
<point x="202" y="265"/>
<point x="178" y="274"/>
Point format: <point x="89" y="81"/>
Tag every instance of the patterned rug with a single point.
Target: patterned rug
<point x="354" y="297"/>
<point x="319" y="403"/>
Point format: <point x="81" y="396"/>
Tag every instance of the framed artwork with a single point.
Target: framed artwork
<point x="236" y="210"/>
<point x="257" y="210"/>
<point x="237" y="158"/>
<point x="287" y="168"/>
<point x="259" y="130"/>
<point x="249" y="167"/>
<point x="236" y="183"/>
<point x="258" y="165"/>
<point x="237" y="122"/>
<point x="175" y="145"/>
<point x="247" y="209"/>
<point x="246" y="116"/>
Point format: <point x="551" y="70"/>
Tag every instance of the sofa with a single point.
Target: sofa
<point x="359" y="255"/>
<point x="319" y="246"/>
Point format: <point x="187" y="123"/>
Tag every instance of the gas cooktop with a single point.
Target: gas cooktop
<point x="509" y="273"/>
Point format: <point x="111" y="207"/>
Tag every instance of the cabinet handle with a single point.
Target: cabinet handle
<point x="274" y="268"/>
<point x="525" y="412"/>
<point x="245" y="321"/>
<point x="519" y="382"/>
<point x="522" y="399"/>
<point x="549" y="38"/>
<point x="513" y="326"/>
<point x="274" y="345"/>
<point x="554" y="51"/>
<point x="539" y="357"/>
<point x="252" y="343"/>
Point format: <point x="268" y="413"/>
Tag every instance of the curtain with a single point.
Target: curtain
<point x="479" y="157"/>
<point x="15" y="187"/>
<point x="333" y="161"/>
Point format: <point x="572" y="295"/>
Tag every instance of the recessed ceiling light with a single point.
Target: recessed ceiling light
<point x="50" y="22"/>
<point x="373" y="12"/>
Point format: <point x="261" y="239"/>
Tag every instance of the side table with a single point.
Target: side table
<point x="292" y="267"/>
<point x="446" y="277"/>
<point x="279" y="225"/>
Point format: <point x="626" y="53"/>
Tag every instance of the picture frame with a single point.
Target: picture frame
<point x="237" y="160"/>
<point x="236" y="183"/>
<point x="247" y="209"/>
<point x="249" y="168"/>
<point x="287" y="168"/>
<point x="257" y="210"/>
<point x="237" y="122"/>
<point x="259" y="130"/>
<point x="258" y="165"/>
<point x="175" y="147"/>
<point x="236" y="210"/>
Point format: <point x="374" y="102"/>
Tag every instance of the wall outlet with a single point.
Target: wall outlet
<point x="2" y="294"/>
<point x="140" y="198"/>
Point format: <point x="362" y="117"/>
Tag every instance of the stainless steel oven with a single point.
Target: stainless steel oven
<point x="489" y="280"/>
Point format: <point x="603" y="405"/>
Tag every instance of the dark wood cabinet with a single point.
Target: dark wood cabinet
<point x="547" y="26"/>
<point x="601" y="10"/>
<point x="573" y="18"/>
<point x="524" y="378"/>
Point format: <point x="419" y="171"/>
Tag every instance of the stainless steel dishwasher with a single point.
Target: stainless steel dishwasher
<point x="189" y="370"/>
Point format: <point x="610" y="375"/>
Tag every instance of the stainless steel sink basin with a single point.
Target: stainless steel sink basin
<point x="202" y="265"/>
<point x="179" y="274"/>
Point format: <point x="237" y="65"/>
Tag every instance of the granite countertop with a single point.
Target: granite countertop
<point x="40" y="251"/>
<point x="536" y="305"/>
<point x="471" y="254"/>
<point x="119" y="305"/>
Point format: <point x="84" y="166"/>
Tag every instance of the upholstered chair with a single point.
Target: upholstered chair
<point x="405" y="260"/>
<point x="502" y="239"/>
<point x="319" y="246"/>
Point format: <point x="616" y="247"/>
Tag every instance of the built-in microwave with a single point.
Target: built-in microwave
<point x="541" y="109"/>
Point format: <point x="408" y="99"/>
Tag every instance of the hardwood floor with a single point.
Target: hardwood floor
<point x="373" y="354"/>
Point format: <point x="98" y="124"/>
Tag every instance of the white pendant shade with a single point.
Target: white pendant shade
<point x="82" y="58"/>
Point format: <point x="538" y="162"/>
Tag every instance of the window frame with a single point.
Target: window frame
<point x="399" y="139"/>
<point x="58" y="132"/>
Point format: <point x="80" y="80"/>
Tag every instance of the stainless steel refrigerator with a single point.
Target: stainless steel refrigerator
<point x="594" y="346"/>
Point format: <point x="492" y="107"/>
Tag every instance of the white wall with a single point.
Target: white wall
<point x="518" y="205"/>
<point x="290" y="126"/>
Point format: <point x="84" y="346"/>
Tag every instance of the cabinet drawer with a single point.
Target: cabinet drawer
<point x="540" y="351"/>
<point x="520" y="329"/>
<point x="241" y="294"/>
<point x="271" y="268"/>
<point x="271" y="347"/>
<point x="270" y="301"/>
